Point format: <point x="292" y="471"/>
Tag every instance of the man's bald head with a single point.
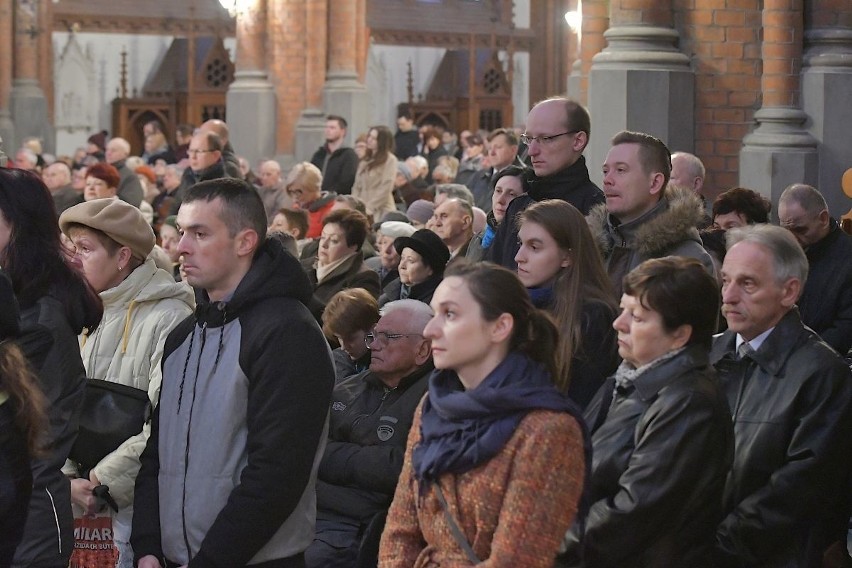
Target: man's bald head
<point x="217" y="126"/>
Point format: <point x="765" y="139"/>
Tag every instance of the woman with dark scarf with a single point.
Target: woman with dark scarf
<point x="561" y="267"/>
<point x="497" y="456"/>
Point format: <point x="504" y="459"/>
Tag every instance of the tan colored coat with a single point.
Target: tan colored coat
<point x="375" y="187"/>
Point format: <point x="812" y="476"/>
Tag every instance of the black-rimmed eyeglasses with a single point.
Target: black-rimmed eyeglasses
<point x="544" y="140"/>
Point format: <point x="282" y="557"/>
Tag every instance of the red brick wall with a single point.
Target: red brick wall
<point x="723" y="39"/>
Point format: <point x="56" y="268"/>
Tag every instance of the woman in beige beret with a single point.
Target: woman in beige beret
<point x="142" y="304"/>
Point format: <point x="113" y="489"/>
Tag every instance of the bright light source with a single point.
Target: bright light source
<point x="573" y="18"/>
<point x="231" y="6"/>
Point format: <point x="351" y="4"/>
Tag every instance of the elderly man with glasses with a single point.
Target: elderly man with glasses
<point x="557" y="131"/>
<point x="371" y="413"/>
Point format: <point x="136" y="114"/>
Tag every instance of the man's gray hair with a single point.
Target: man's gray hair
<point x="806" y="196"/>
<point x="419" y="313"/>
<point x="695" y="165"/>
<point x="455" y="191"/>
<point x="788" y="258"/>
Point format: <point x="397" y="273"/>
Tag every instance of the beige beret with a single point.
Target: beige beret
<point x="119" y="220"/>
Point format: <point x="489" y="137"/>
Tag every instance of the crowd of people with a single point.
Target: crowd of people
<point x="425" y="350"/>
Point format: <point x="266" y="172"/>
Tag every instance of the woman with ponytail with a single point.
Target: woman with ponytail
<point x="22" y="422"/>
<point x="561" y="267"/>
<point x="496" y="458"/>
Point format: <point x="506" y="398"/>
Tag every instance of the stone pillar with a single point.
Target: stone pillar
<point x="344" y="93"/>
<point x="779" y="151"/>
<point x="640" y="81"/>
<point x="826" y="85"/>
<point x="27" y="103"/>
<point x="251" y="105"/>
<point x="7" y="127"/>
<point x="310" y="130"/>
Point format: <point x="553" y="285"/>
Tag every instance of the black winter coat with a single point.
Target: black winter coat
<point x="422" y="292"/>
<point x="338" y="169"/>
<point x="367" y="437"/>
<point x="571" y="184"/>
<point x="786" y="498"/>
<point x="49" y="340"/>
<point x="826" y="302"/>
<point x="16" y="482"/>
<point x="661" y="450"/>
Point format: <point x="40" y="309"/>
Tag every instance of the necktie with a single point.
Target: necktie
<point x="744" y="350"/>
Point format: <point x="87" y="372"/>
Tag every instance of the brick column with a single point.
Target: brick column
<point x="592" y="42"/>
<point x="251" y="107"/>
<point x="826" y="84"/>
<point x="45" y="51"/>
<point x="27" y="103"/>
<point x="641" y="80"/>
<point x="344" y="93"/>
<point x="7" y="127"/>
<point x="310" y="128"/>
<point x="779" y="151"/>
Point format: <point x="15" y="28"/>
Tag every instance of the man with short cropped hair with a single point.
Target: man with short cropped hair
<point x="453" y="222"/>
<point x="502" y="152"/>
<point x="130" y="188"/>
<point x="271" y="189"/>
<point x="229" y="472"/>
<point x="644" y="217"/>
<point x="338" y="163"/>
<point x="57" y="178"/>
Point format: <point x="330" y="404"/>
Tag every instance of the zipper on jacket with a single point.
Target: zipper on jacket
<point x="186" y="449"/>
<point x="55" y="519"/>
<point x="385" y="394"/>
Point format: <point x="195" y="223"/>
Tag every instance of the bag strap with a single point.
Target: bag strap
<point x="454" y="527"/>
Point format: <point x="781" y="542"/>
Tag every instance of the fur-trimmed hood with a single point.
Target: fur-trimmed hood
<point x="671" y="222"/>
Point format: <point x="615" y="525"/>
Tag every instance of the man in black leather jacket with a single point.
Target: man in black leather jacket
<point x="371" y="413"/>
<point x="786" y="497"/>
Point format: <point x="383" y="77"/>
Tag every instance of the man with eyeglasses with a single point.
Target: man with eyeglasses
<point x="826" y="301"/>
<point x="371" y="413"/>
<point x="205" y="159"/>
<point x="557" y="131"/>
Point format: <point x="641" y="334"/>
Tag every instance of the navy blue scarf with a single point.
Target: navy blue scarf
<point x="461" y="429"/>
<point x="541" y="297"/>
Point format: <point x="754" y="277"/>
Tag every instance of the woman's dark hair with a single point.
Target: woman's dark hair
<point x="384" y="147"/>
<point x="354" y="224"/>
<point x="18" y="380"/>
<point x="348" y="311"/>
<point x="512" y="171"/>
<point x="746" y="202"/>
<point x="498" y="291"/>
<point x="584" y="281"/>
<point x="681" y="291"/>
<point x="34" y="259"/>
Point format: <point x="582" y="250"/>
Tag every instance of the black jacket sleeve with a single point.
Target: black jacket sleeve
<point x="145" y="535"/>
<point x="375" y="468"/>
